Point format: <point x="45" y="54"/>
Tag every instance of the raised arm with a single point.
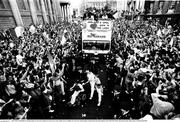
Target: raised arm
<point x="72" y="87"/>
<point x="61" y="72"/>
<point x="25" y="74"/>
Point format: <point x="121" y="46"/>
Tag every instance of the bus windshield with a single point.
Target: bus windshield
<point x="96" y="36"/>
<point x="96" y="45"/>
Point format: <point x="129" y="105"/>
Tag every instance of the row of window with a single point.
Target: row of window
<point x="23" y="4"/>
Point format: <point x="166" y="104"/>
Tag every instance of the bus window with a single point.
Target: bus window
<point x="96" y="46"/>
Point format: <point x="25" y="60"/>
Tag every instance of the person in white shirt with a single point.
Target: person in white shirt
<point x="19" y="59"/>
<point x="91" y="80"/>
<point x="161" y="106"/>
<point x="95" y="84"/>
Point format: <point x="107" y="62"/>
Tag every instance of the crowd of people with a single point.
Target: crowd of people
<point x="40" y="68"/>
<point x="93" y="12"/>
<point x="32" y="67"/>
<point x="147" y="69"/>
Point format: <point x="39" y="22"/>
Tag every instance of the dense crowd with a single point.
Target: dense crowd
<point x="147" y="69"/>
<point x="31" y="63"/>
<point x="38" y="69"/>
<point x="93" y="12"/>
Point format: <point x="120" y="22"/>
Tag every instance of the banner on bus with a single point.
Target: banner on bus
<point x="101" y="25"/>
<point x="96" y="36"/>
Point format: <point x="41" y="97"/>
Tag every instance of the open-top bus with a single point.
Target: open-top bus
<point x="96" y="37"/>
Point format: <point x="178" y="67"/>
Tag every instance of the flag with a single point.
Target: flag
<point x="63" y="40"/>
<point x="119" y="36"/>
<point x="171" y="42"/>
<point x="115" y="15"/>
<point x="19" y="31"/>
<point x="32" y="29"/>
<point x="159" y="33"/>
<point x="46" y="36"/>
<point x="51" y="63"/>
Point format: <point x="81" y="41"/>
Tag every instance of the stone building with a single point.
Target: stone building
<point x="163" y="10"/>
<point x="25" y="12"/>
<point x="162" y="7"/>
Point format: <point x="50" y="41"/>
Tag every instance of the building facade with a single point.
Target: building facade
<point x="130" y="6"/>
<point x="162" y="7"/>
<point x="163" y="10"/>
<point x="150" y="7"/>
<point x="25" y="12"/>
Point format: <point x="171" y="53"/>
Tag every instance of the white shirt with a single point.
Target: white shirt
<point x="48" y="71"/>
<point x="160" y="108"/>
<point x="90" y="76"/>
<point x="32" y="29"/>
